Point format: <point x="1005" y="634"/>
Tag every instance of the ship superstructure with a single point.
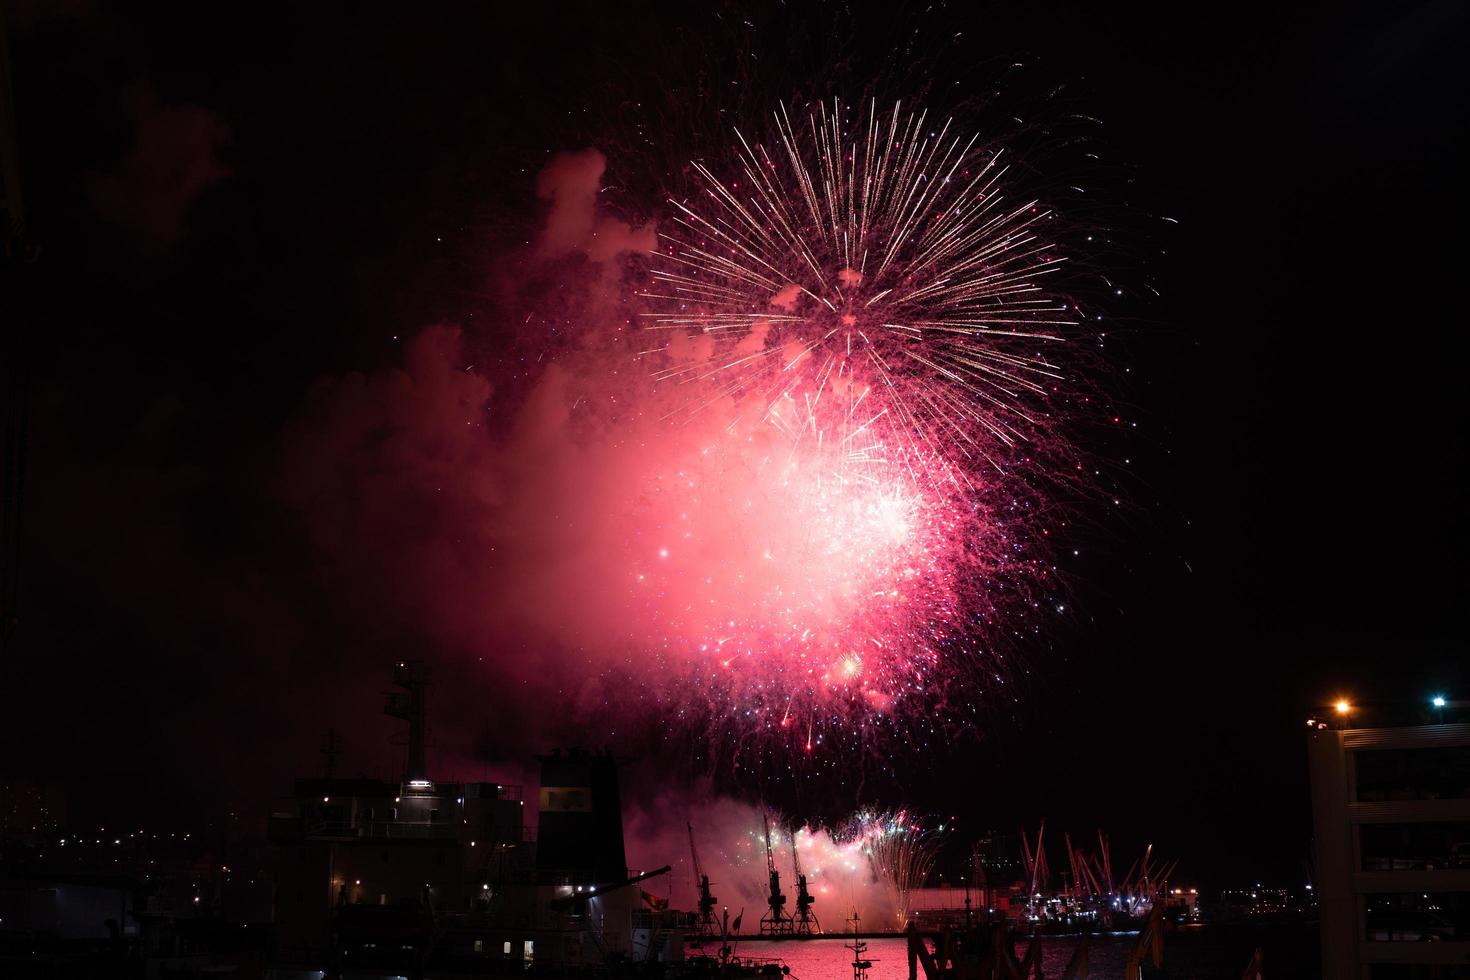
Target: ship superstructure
<point x="418" y="873"/>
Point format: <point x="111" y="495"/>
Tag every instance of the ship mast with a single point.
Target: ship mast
<point x="411" y="676"/>
<point x="860" y="964"/>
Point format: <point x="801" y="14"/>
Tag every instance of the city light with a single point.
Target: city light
<point x="1438" y="701"/>
<point x="1343" y="706"/>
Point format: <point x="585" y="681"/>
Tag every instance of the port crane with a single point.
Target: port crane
<point x="1037" y="872"/>
<point x="1089" y="886"/>
<point x="1085" y="883"/>
<point x="806" y="920"/>
<point x="706" y="924"/>
<point x="1103" y="862"/>
<point x="776" y="922"/>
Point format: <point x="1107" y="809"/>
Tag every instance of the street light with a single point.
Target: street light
<point x="1343" y="706"/>
<point x="1438" y="701"/>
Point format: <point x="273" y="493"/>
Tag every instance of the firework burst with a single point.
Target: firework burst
<point x="866" y="311"/>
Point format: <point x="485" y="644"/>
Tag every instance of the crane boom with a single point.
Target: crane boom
<point x="694" y="855"/>
<point x="707" y="902"/>
<point x="770" y="859"/>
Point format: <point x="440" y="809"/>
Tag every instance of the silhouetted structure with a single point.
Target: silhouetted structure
<point x="805" y="922"/>
<point x="705" y="921"/>
<point x="1389" y="808"/>
<point x="418" y="875"/>
<point x="579" y="835"/>
<point x="775" y="922"/>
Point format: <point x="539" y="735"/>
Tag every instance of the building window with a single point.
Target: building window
<point x="1433" y="773"/>
<point x="1415" y="917"/>
<point x="1415" y="846"/>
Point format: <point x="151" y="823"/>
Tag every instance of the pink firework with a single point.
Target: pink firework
<point x="867" y="315"/>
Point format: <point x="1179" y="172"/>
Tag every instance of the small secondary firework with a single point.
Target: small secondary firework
<point x="901" y="852"/>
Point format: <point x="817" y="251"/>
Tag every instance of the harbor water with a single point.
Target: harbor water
<point x="1196" y="953"/>
<point x="830" y="959"/>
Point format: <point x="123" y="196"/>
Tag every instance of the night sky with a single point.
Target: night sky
<point x="236" y="211"/>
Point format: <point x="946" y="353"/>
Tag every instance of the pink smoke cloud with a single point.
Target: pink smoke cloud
<point x="755" y="340"/>
<point x="173" y="156"/>
<point x="571" y="182"/>
<point x="786" y="297"/>
<point x="603" y="539"/>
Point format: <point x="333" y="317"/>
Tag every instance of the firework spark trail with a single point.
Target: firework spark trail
<point x="875" y="300"/>
<point x="900" y="852"/>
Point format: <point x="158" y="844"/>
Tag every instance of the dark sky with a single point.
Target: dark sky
<point x="231" y="204"/>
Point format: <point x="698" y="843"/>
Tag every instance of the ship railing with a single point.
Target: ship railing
<point x="379" y="829"/>
<point x="646" y="918"/>
<point x="411" y="829"/>
<point x="329" y="828"/>
<point x="481" y="790"/>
